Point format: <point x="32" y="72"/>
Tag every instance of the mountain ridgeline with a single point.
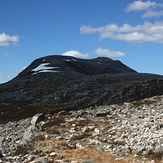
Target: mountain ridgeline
<point x="56" y="83"/>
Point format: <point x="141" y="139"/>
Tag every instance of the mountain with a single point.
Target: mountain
<point x="56" y="83"/>
<point x="64" y="64"/>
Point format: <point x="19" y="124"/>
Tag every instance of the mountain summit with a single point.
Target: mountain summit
<point x="55" y="83"/>
<point x="67" y="64"/>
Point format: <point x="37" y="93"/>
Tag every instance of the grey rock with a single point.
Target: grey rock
<point x="129" y="127"/>
<point x="29" y="133"/>
<point x="38" y="118"/>
<point x="41" y="160"/>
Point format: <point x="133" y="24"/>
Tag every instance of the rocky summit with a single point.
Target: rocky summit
<point x="64" y="109"/>
<point x="57" y="83"/>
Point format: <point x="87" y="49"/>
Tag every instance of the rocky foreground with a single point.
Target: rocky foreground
<point x="126" y="133"/>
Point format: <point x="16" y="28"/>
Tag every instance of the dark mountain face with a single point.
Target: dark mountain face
<point x="65" y="64"/>
<point x="55" y="83"/>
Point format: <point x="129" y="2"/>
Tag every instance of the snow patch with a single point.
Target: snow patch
<point x="74" y="60"/>
<point x="43" y="67"/>
<point x="70" y="60"/>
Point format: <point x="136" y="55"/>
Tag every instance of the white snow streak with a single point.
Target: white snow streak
<point x="43" y="67"/>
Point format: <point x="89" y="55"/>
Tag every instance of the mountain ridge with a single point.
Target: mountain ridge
<point x="55" y="83"/>
<point x="100" y="65"/>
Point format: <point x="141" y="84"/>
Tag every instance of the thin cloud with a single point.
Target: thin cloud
<point x="108" y="53"/>
<point x="6" y="40"/>
<point x="1" y="77"/>
<point x="151" y="13"/>
<point x="6" y="75"/>
<point x="75" y="53"/>
<point x="18" y="70"/>
<point x="6" y="54"/>
<point x="4" y="78"/>
<point x="147" y="32"/>
<point x="140" y="6"/>
<point x="148" y="7"/>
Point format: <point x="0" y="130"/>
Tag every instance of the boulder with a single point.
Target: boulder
<point x="31" y="132"/>
<point x="38" y="118"/>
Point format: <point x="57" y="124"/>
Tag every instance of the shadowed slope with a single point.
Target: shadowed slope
<point x="55" y="83"/>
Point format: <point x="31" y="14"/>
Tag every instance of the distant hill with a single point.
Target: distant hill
<point x="64" y="64"/>
<point x="55" y="83"/>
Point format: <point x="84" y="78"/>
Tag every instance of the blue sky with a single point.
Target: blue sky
<point x="130" y="31"/>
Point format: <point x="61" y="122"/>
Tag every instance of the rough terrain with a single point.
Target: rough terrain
<point x="125" y="133"/>
<point x="91" y="111"/>
<point x="55" y="83"/>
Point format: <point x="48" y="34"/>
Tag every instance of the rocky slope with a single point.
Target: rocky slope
<point x="55" y="83"/>
<point x="127" y="133"/>
<point x="95" y="111"/>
